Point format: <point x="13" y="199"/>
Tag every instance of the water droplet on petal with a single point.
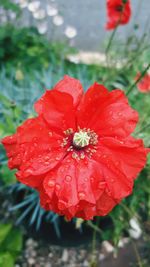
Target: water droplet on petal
<point x="81" y="195"/>
<point x="68" y="178"/>
<point x="57" y="158"/>
<point x="108" y="192"/>
<point x="85" y="179"/>
<point x="45" y="163"/>
<point x="101" y="185"/>
<point x="51" y="183"/>
<point x="58" y="187"/>
<point x="92" y="179"/>
<point x="62" y="205"/>
<point x="50" y="133"/>
<point x="47" y="157"/>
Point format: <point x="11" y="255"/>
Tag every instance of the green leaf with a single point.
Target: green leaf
<point x="148" y="159"/>
<point x="10" y="245"/>
<point x="6" y="260"/>
<point x="13" y="242"/>
<point x="4" y="231"/>
<point x="7" y="176"/>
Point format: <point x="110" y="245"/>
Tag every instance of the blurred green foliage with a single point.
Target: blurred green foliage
<point x="10" y="245"/>
<point x="27" y="49"/>
<point x="9" y="5"/>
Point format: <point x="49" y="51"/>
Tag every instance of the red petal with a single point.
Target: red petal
<point x="36" y="150"/>
<point x="116" y="17"/>
<point x="144" y="84"/>
<point x="90" y="103"/>
<point x="57" y="109"/>
<point x="105" y="204"/>
<point x="71" y="86"/>
<point x="12" y="150"/>
<point x="34" y="181"/>
<point x="107" y="113"/>
<point x="77" y="186"/>
<point x="121" y="162"/>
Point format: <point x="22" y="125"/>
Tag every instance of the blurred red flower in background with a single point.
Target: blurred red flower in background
<point x="144" y="84"/>
<point x="118" y="13"/>
<point x="78" y="152"/>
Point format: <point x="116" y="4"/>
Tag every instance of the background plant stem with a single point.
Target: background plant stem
<point x="138" y="80"/>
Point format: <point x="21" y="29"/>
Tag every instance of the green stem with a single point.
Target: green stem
<point x="111" y="39"/>
<point x="139" y="261"/>
<point x="143" y="128"/>
<point x="95" y="227"/>
<point x="125" y="207"/>
<point x="138" y="80"/>
<point x="93" y="260"/>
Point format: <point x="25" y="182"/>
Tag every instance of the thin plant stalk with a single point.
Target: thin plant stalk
<point x="138" y="80"/>
<point x="143" y="128"/>
<point x="139" y="261"/>
<point x="111" y="39"/>
<point x="93" y="260"/>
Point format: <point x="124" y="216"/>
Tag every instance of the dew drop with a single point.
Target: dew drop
<point x="108" y="192"/>
<point x="45" y="163"/>
<point x="81" y="195"/>
<point x="92" y="179"/>
<point x="101" y="185"/>
<point x="61" y="205"/>
<point x="50" y="133"/>
<point x="68" y="178"/>
<point x="58" y="187"/>
<point x="85" y="179"/>
<point x="47" y="157"/>
<point x="51" y="183"/>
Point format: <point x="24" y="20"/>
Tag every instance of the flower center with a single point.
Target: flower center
<point x="119" y="8"/>
<point x="81" y="143"/>
<point x="81" y="139"/>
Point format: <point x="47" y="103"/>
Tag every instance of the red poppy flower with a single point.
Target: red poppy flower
<point x="144" y="84"/>
<point x="118" y="13"/>
<point x="78" y="152"/>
